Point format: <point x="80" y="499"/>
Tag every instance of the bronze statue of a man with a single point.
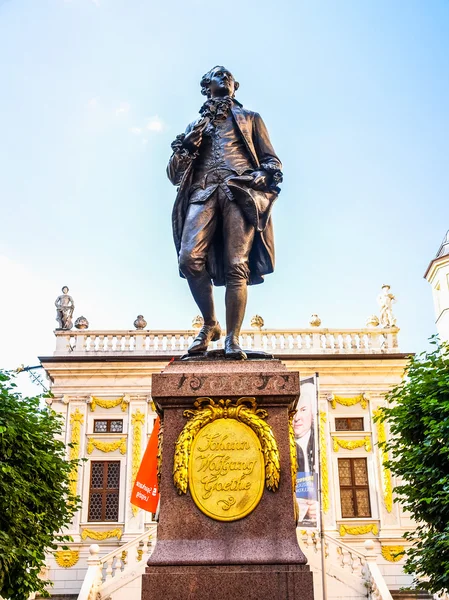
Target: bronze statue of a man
<point x="228" y="175"/>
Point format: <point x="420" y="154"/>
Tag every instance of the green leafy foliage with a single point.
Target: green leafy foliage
<point x="418" y="416"/>
<point x="35" y="500"/>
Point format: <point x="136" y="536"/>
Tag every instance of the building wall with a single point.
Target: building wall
<point x="76" y="383"/>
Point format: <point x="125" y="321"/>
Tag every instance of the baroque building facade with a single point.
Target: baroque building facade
<point x="101" y="383"/>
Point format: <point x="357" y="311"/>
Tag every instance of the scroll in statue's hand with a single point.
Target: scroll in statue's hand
<point x="260" y="181"/>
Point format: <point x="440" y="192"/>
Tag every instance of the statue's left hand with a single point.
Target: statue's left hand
<point x="260" y="181"/>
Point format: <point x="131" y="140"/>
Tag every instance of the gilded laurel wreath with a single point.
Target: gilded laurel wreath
<point x="244" y="410"/>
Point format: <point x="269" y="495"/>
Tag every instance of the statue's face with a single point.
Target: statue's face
<point x="65" y="289"/>
<point x="222" y="83"/>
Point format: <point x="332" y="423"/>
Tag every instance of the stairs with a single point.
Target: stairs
<point x="350" y="575"/>
<point x="410" y="595"/>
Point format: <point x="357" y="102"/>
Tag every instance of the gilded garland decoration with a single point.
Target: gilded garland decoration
<point x="107" y="446"/>
<point x="393" y="553"/>
<point x="244" y="410"/>
<point x="351" y="444"/>
<point x="361" y="399"/>
<point x="101" y="535"/>
<point x="293" y="460"/>
<point x="76" y="420"/>
<point x="67" y="558"/>
<point x="386" y="473"/>
<point x="359" y="530"/>
<point x="160" y="439"/>
<point x="137" y="422"/>
<point x="324" y="464"/>
<point x="122" y="401"/>
<point x="293" y="456"/>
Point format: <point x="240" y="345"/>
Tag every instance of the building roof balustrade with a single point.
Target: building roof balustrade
<point x="169" y="343"/>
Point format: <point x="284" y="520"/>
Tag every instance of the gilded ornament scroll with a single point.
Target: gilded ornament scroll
<point x="361" y="399"/>
<point x="107" y="446"/>
<point x="76" y="420"/>
<point x="137" y="422"/>
<point x="324" y="463"/>
<point x="103" y="403"/>
<point x="351" y="444"/>
<point x="101" y="535"/>
<point x="359" y="529"/>
<point x="387" y="486"/>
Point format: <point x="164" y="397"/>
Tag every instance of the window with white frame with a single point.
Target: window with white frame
<point x="104" y="490"/>
<point x="354" y="487"/>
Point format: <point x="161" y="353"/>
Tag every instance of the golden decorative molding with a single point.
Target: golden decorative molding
<point x="76" y="420"/>
<point x="101" y="535"/>
<point x="107" y="446"/>
<point x="393" y="553"/>
<point x="351" y="444"/>
<point x="293" y="461"/>
<point x="67" y="558"/>
<point x="324" y="464"/>
<point x="359" y="529"/>
<point x="160" y="439"/>
<point x="137" y="422"/>
<point x="293" y="457"/>
<point x="244" y="410"/>
<point x="139" y="554"/>
<point x="123" y="401"/>
<point x="361" y="399"/>
<point x="387" y="485"/>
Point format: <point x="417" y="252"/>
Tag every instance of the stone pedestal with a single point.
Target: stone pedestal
<point x="197" y="557"/>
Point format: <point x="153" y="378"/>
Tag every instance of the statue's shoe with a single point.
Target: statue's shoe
<point x="207" y="334"/>
<point x="232" y="348"/>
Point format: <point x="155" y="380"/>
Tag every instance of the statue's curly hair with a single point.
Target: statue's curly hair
<point x="205" y="80"/>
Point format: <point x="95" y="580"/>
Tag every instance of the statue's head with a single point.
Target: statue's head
<point x="219" y="82"/>
<point x="65" y="290"/>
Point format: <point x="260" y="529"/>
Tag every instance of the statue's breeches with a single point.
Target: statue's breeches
<point x="200" y="227"/>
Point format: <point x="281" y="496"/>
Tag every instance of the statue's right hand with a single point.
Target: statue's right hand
<point x="193" y="140"/>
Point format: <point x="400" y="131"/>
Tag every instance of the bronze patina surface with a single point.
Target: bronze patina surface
<point x="228" y="175"/>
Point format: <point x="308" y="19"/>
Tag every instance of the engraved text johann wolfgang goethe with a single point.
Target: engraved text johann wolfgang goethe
<point x="226" y="452"/>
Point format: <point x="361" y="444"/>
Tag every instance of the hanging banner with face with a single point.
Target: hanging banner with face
<point x="306" y="437"/>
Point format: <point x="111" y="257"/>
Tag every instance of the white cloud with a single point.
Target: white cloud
<point x="93" y="103"/>
<point x="123" y="109"/>
<point x="155" y="124"/>
<point x="136" y="130"/>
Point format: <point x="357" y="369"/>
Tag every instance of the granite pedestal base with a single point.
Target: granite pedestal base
<point x="257" y="556"/>
<point x="228" y="582"/>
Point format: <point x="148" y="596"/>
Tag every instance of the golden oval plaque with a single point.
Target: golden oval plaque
<point x="226" y="470"/>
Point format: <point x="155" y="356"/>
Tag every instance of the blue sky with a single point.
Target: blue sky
<point x="355" y="95"/>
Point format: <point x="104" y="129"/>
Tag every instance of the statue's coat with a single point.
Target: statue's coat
<point x="261" y="152"/>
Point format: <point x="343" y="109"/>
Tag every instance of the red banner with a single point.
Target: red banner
<point x="145" y="492"/>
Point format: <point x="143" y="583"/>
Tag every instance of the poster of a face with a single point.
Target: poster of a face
<point x="304" y="427"/>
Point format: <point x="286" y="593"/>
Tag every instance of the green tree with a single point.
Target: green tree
<point x="418" y="416"/>
<point x="35" y="499"/>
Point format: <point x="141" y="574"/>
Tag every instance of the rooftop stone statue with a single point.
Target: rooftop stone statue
<point x="64" y="309"/>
